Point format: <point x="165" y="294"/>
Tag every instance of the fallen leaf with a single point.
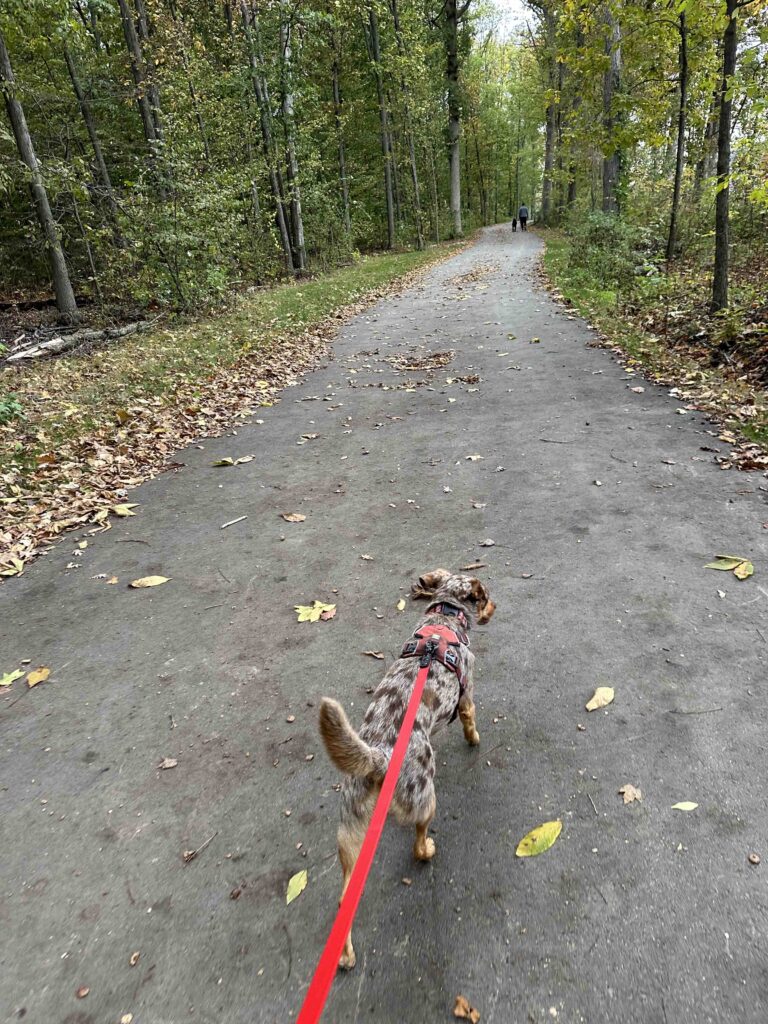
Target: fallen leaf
<point x="630" y="793"/>
<point x="82" y="992"/>
<point x="125" y="510"/>
<point x="638" y="391"/>
<point x="134" y="958"/>
<point x="126" y="1018"/>
<point x="744" y="570"/>
<point x="367" y="558"/>
<point x="292" y="517"/>
<point x="465" y="1011"/>
<point x="375" y="654"/>
<point x="479" y="504"/>
<point x="38" y="675"/>
<point x="168" y="762"/>
<point x="227" y="461"/>
<point x="598" y="483"/>
<point x="741" y="567"/>
<point x="535" y="341"/>
<point x="602" y="696"/>
<point x="474" y="458"/>
<point x="488" y="543"/>
<point x="313" y="612"/>
<point x="83" y="544"/>
<point x="329" y="613"/>
<point x="11" y="677"/>
<point x="473" y="565"/>
<point x="112" y="580"/>
<point x="685" y="805"/>
<point x="296" y="885"/>
<point x="401" y="605"/>
<point x="149" y="581"/>
<point x="539" y="839"/>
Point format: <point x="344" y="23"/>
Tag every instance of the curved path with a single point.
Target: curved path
<point x="639" y="913"/>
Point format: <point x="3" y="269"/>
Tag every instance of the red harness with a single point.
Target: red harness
<point x="439" y="643"/>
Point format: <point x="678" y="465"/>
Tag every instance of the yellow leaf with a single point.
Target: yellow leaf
<point x="539" y="839"/>
<point x="312" y="612"/>
<point x="12" y="567"/>
<point x="149" y="581"/>
<point x="744" y="570"/>
<point x="11" y="677"/>
<point x="38" y="675"/>
<point x="401" y="605"/>
<point x="125" y="510"/>
<point x="685" y="805"/>
<point x="225" y="462"/>
<point x="293" y="517"/>
<point x="726" y="563"/>
<point x="602" y="696"/>
<point x="296" y="885"/>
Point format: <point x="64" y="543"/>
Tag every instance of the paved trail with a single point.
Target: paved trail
<point x="638" y="914"/>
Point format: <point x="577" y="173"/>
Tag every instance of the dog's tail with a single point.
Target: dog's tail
<point x="346" y="749"/>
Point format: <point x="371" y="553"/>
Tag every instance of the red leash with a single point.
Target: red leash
<point x="320" y="986"/>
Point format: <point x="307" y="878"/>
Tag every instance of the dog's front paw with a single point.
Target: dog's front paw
<point x="425" y="850"/>
<point x="473" y="738"/>
<point x="348" y="959"/>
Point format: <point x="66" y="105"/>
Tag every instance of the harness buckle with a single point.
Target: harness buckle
<point x="429" y="652"/>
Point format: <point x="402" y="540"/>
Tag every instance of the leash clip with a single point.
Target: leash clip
<point x="429" y="651"/>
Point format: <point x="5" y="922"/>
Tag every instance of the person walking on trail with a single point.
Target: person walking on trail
<point x="522" y="213"/>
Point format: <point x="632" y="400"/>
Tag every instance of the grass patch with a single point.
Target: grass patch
<point x="733" y="397"/>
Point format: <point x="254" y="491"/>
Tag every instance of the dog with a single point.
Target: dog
<point x="514" y="223"/>
<point x="455" y="600"/>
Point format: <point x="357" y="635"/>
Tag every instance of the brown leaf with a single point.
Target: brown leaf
<point x="329" y="613"/>
<point x="292" y="517"/>
<point x="38" y="675"/>
<point x="134" y="958"/>
<point x="630" y="793"/>
<point x="168" y="762"/>
<point x="375" y="654"/>
<point x="464" y="1010"/>
<point x="473" y="565"/>
<point x="82" y="992"/>
<point x="112" y="580"/>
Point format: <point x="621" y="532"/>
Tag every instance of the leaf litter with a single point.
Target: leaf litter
<point x="314" y="612"/>
<point x="741" y="567"/>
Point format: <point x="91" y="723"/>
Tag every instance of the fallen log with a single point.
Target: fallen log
<point x="63" y="343"/>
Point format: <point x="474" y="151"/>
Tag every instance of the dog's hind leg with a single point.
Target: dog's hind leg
<point x="467" y="716"/>
<point x="350" y="839"/>
<point x="424" y="847"/>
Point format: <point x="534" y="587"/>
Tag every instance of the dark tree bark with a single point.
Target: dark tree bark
<point x="722" y="212"/>
<point x="102" y="172"/>
<point x="150" y="71"/>
<point x="292" y="164"/>
<point x="62" y="286"/>
<point x="180" y="27"/>
<point x="550" y="26"/>
<point x="612" y="158"/>
<point x="268" y="146"/>
<point x="374" y="49"/>
<point x="682" y="117"/>
<point x="417" y="214"/>
<point x="137" y="71"/>
<point x="338" y="121"/>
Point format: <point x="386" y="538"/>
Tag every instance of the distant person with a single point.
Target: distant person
<point x="514" y="223"/>
<point x="522" y="213"/>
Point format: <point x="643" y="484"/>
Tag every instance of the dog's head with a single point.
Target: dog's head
<point x="441" y="585"/>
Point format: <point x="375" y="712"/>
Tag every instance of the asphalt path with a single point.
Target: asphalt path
<point x="639" y="912"/>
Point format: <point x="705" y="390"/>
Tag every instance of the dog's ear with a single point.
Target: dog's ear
<point x="429" y="583"/>
<point x="481" y="599"/>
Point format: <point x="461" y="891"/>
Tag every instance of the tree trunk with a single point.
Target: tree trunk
<point x="611" y="86"/>
<point x="292" y="164"/>
<point x="483" y="193"/>
<point x="374" y="47"/>
<point x="337" y="116"/>
<point x="62" y="287"/>
<point x="137" y="70"/>
<point x="454" y="109"/>
<point x="180" y="27"/>
<point x="435" y="196"/>
<point x="262" y="102"/>
<point x="550" y="117"/>
<point x="90" y="124"/>
<point x="417" y="214"/>
<point x="682" y="116"/>
<point x="722" y="225"/>
<point x="150" y="69"/>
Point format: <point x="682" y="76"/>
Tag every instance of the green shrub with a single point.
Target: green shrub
<point x="10" y="409"/>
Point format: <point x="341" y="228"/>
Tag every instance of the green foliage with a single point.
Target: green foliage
<point x="10" y="408"/>
<point x="612" y="250"/>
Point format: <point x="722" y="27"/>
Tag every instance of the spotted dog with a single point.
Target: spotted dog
<point x="363" y="757"/>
